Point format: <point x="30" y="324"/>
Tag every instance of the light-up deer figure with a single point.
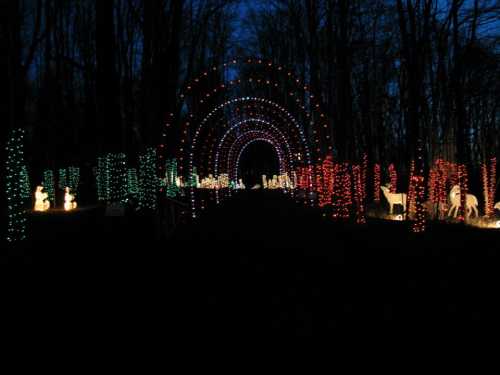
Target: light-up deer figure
<point x="394" y="198"/>
<point x="497" y="206"/>
<point x="471" y="202"/>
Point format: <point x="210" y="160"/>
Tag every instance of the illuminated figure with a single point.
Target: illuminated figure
<point x="264" y="181"/>
<point x="241" y="185"/>
<point x="394" y="198"/>
<point x="471" y="202"/>
<point x="497" y="206"/>
<point x="41" y="200"/>
<point x="69" y="200"/>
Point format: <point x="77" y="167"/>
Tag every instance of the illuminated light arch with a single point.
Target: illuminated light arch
<point x="244" y="99"/>
<point x="277" y="136"/>
<point x="241" y="114"/>
<point x="243" y="141"/>
<point x="281" y="160"/>
<point x="220" y="107"/>
<point x="292" y="91"/>
<point x="251" y="120"/>
<point x="315" y="129"/>
<point x="281" y="71"/>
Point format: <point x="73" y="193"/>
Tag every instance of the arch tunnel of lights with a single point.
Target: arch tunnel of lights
<point x="220" y="121"/>
<point x="227" y="108"/>
<point x="225" y="111"/>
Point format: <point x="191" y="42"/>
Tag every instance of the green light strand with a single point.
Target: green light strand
<point x="102" y="177"/>
<point x="16" y="214"/>
<point x="117" y="178"/>
<point x="73" y="178"/>
<point x="25" y="183"/>
<point x="62" y="180"/>
<point x="48" y="184"/>
<point x="171" y="178"/>
<point x="148" y="180"/>
<point x="132" y="182"/>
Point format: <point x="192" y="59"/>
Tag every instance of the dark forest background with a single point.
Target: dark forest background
<point x="86" y="77"/>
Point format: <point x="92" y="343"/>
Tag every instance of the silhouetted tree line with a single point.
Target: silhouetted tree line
<point x="86" y="77"/>
<point x="392" y="72"/>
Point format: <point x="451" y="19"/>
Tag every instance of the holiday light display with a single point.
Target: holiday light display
<point x="221" y="107"/>
<point x="148" y="181"/>
<point x="412" y="191"/>
<point x="112" y="175"/>
<point x="231" y="84"/>
<point x="326" y="192"/>
<point x="394" y="178"/>
<point x="264" y="181"/>
<point x="16" y="216"/>
<point x="463" y="185"/>
<point x="265" y="133"/>
<point x="42" y="202"/>
<point x="25" y="183"/>
<point x="193" y="180"/>
<point x="432" y="182"/>
<point x="282" y="181"/>
<point x="239" y="136"/>
<point x="456" y="201"/>
<point x="376" y="183"/>
<point x="419" y="224"/>
<point x="488" y="207"/>
<point x="253" y="124"/>
<point x="69" y="200"/>
<point x="172" y="182"/>
<point x="48" y="184"/>
<point x="394" y="199"/>
<point x="359" y="194"/>
<point x="132" y="182"/>
<point x="102" y="177"/>
<point x="418" y="182"/>
<point x="489" y="185"/>
<point x="118" y="178"/>
<point x="62" y="180"/>
<point x="252" y="128"/>
<point x="493" y="180"/>
<point x="73" y="178"/>
<point x="364" y="175"/>
<point x="215" y="183"/>
<point x="242" y="143"/>
<point x="342" y="197"/>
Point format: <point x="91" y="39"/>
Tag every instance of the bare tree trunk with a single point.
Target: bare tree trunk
<point x="108" y="110"/>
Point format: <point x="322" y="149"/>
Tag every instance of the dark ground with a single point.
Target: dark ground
<point x="261" y="265"/>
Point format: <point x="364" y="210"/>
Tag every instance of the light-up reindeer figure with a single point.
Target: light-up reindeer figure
<point x="497" y="206"/>
<point x="394" y="198"/>
<point x="471" y="202"/>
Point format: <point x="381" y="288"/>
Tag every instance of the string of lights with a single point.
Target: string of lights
<point x="73" y="178"/>
<point x="419" y="186"/>
<point x="25" y="183"/>
<point x="62" y="180"/>
<point x="49" y="185"/>
<point x="394" y="178"/>
<point x="376" y="183"/>
<point x="132" y="182"/>
<point x="148" y="181"/>
<point x="16" y="214"/>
